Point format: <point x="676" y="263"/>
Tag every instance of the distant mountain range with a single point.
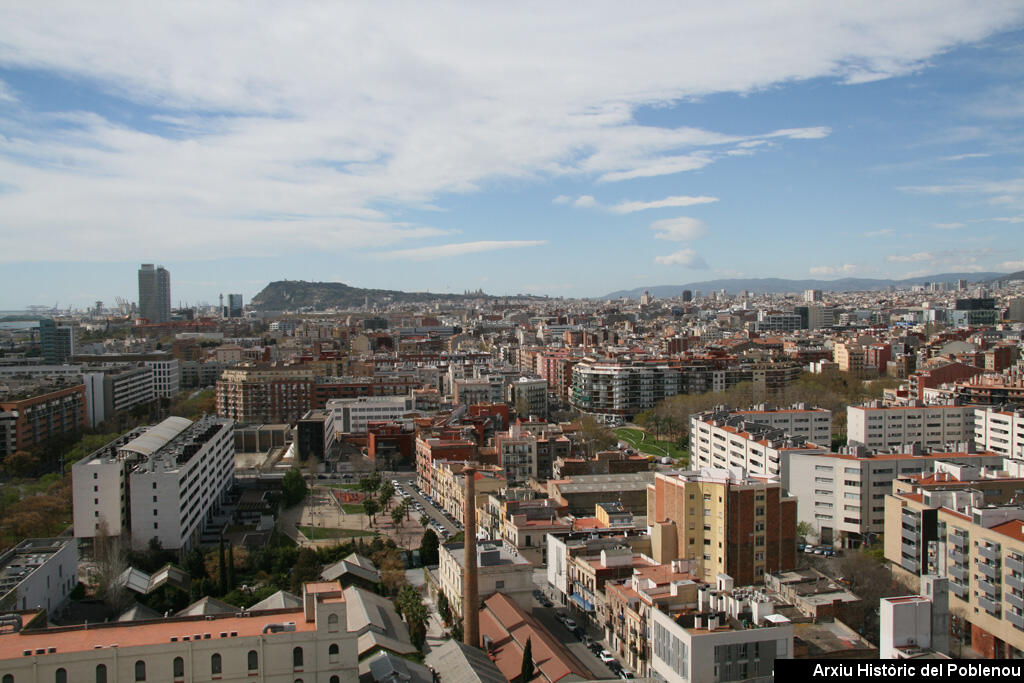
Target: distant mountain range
<point x="290" y="295"/>
<point x="772" y="285"/>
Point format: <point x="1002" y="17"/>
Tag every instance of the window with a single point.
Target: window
<point x="179" y="667"/>
<point x="140" y="670"/>
<point x="254" y="660"/>
<point x="101" y="673"/>
<point x="332" y="623"/>
<point x="297" y="658"/>
<point x="498" y="585"/>
<point x="332" y="653"/>
<point x="215" y="664"/>
<point x="335" y="679"/>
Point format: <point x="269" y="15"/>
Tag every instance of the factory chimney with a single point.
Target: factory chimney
<point x="471" y="593"/>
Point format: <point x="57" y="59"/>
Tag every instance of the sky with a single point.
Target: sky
<point x="568" y="149"/>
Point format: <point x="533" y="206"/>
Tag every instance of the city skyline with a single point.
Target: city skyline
<point x="509" y="149"/>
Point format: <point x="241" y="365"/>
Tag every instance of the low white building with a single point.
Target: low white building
<point x="109" y="389"/>
<point x="351" y="415"/>
<point x="498" y="571"/>
<point x="709" y="644"/>
<point x="160" y="482"/>
<point x="912" y="626"/>
<point x="39" y="573"/>
<point x="719" y="440"/>
<point x="881" y="427"/>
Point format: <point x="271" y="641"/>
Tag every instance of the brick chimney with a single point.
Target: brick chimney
<point x="471" y="592"/>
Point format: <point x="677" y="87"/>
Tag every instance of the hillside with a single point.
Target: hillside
<point x="782" y="286"/>
<point x="290" y="295"/>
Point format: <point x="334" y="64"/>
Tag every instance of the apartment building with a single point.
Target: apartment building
<point x="711" y="644"/>
<point x="34" y="411"/>
<point x="498" y="571"/>
<point x="448" y="447"/>
<point x="159" y="482"/>
<point x="615" y="391"/>
<point x="882" y="427"/>
<point x="311" y="643"/>
<point x="262" y="393"/>
<point x="166" y="376"/>
<point x="813" y="424"/>
<point x="724" y="521"/>
<point x="112" y="389"/>
<point x="842" y="495"/>
<point x="529" y="393"/>
<point x="1000" y="431"/>
<point x="720" y="441"/>
<point x="449" y="485"/>
<point x="517" y="455"/>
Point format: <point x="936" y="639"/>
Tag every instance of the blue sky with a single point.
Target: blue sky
<point x="515" y="149"/>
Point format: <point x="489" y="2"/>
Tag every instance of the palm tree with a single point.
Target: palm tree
<point x="424" y="520"/>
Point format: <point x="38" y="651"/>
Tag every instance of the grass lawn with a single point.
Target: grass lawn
<point x="645" y="443"/>
<point x="353" y="508"/>
<point x="319" y="533"/>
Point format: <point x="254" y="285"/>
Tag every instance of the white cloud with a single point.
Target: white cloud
<point x="562" y="199"/>
<point x="880" y="233"/>
<point x="6" y="94"/>
<point x="631" y="207"/>
<point x="275" y="126"/>
<point x="457" y="249"/>
<point x="681" y="229"/>
<point x="1000" y="192"/>
<point x="911" y="258"/>
<point x="845" y="269"/>
<point x="585" y="201"/>
<point x="1011" y="266"/>
<point x="971" y="155"/>
<point x="949" y="226"/>
<point x="1007" y="219"/>
<point x="684" y="257"/>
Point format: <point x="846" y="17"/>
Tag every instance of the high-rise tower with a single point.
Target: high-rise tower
<point x="154" y="293"/>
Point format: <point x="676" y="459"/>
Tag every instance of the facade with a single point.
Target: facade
<point x="154" y="293"/>
<point x="34" y="412"/>
<point x="161" y="482"/>
<point x="258" y="393"/>
<point x="912" y="625"/>
<point x="882" y="427"/>
<point x="720" y="441"/>
<point x="234" y="308"/>
<point x="112" y="389"/>
<point x="39" y="573"/>
<point x="311" y="643"/>
<point x="709" y="644"/>
<point x="532" y="393"/>
<point x="812" y="424"/>
<point x="1000" y="431"/>
<point x="842" y="495"/>
<point x="352" y="415"/>
<point x="722" y="521"/>
<point x="57" y="342"/>
<point x="166" y="377"/>
<point x="615" y="391"/>
<point x="498" y="571"/>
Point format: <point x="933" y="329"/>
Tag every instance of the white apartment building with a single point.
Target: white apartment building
<point x="710" y="644"/>
<point x="1000" y="431"/>
<point x="39" y="573"/>
<point x="166" y="377"/>
<point x="842" y="495"/>
<point x="719" y="441"/>
<point x="351" y="415"/>
<point x="311" y="643"/>
<point x="813" y="424"/>
<point x="615" y="391"/>
<point x="161" y="482"/>
<point x="883" y="427"/>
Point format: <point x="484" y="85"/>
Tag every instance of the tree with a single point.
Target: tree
<point x="526" y="672"/>
<point x="222" y="572"/>
<point x="387" y="493"/>
<point x="414" y="612"/>
<point x="804" y="529"/>
<point x="371" y="507"/>
<point x="231" y="565"/>
<point x="596" y="436"/>
<point x="429" y="548"/>
<point x="369" y="483"/>
<point x="110" y="561"/>
<point x="20" y="464"/>
<point x="293" y="487"/>
<point x="307" y="568"/>
<point x="397" y="513"/>
<point x="424" y="521"/>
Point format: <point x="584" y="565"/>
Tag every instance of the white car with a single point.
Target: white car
<point x="606" y="657"/>
<point x="570" y="624"/>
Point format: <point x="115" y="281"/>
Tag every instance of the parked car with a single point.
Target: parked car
<point x="606" y="657"/>
<point x="570" y="624"/>
<point x="626" y="675"/>
<point x="809" y="550"/>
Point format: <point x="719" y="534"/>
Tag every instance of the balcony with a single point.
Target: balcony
<point x="958" y="590"/>
<point x="958" y="541"/>
<point x="991" y="553"/>
<point x="988" y="587"/>
<point x="989" y="606"/>
<point x="1014" y="599"/>
<point x="1016" y="619"/>
<point x="1014" y="565"/>
<point x="1014" y="581"/>
<point x="957" y="556"/>
<point x="991" y="571"/>
<point x="910" y="537"/>
<point x="958" y="573"/>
